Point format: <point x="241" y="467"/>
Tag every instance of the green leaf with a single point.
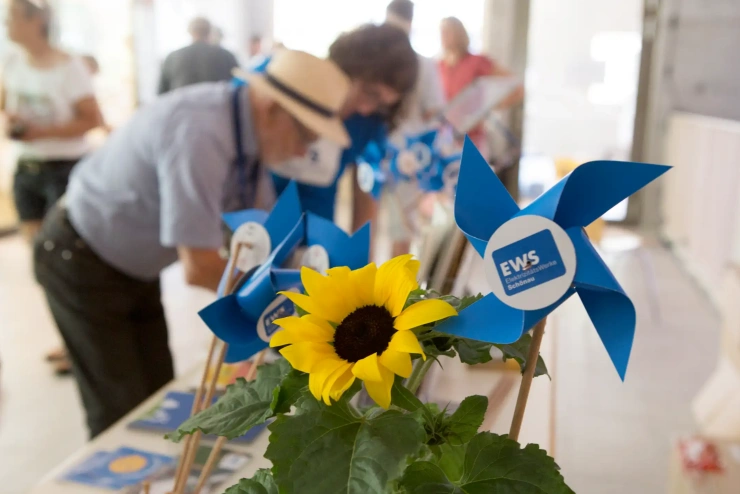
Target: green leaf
<point x="451" y="459"/>
<point x="403" y="398"/>
<point x="261" y="483"/>
<point x="473" y="352"/>
<point x="324" y="449"/>
<point x="466" y="302"/>
<point x="244" y="405"/>
<point x="293" y="385"/>
<point x="463" y="425"/>
<point x="493" y="464"/>
<point x="519" y="351"/>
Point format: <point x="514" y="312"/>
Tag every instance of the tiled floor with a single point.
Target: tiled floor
<point x="611" y="437"/>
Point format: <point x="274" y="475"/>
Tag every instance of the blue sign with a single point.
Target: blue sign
<point x="530" y="262"/>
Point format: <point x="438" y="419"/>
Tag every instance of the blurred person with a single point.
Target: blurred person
<point x="217" y="36"/>
<point x="201" y="61"/>
<point x="427" y="98"/>
<point x="94" y="67"/>
<point x="382" y="67"/>
<point x="459" y="68"/>
<point x="425" y="102"/>
<point x="255" y="46"/>
<point x="153" y="194"/>
<point x="48" y="99"/>
<point x="49" y="102"/>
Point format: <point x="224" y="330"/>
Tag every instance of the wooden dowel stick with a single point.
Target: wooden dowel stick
<point x="147" y="487"/>
<point x="258" y="360"/>
<point x="209" y="464"/>
<point x="199" y="403"/>
<point x="190" y="459"/>
<point x="521" y="400"/>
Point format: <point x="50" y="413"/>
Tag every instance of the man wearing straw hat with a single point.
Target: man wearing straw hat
<point x="154" y="194"/>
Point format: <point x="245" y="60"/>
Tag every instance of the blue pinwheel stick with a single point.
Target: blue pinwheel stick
<point x="536" y="258"/>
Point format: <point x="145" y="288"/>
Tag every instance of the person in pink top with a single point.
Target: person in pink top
<point x="459" y="68"/>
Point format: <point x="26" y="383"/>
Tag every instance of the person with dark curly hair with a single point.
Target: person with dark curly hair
<point x="383" y="68"/>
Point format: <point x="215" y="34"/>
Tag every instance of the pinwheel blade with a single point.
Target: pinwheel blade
<point x="286" y="213"/>
<point x="609" y="308"/>
<point x="482" y="203"/>
<point x="227" y="321"/>
<point x="594" y="188"/>
<point x="237" y="218"/>
<point x="344" y="250"/>
<point x="488" y="320"/>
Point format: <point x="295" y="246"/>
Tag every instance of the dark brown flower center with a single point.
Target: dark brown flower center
<point x="365" y="331"/>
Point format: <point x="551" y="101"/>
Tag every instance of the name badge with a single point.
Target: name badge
<point x="318" y="167"/>
<point x="278" y="308"/>
<point x="530" y="262"/>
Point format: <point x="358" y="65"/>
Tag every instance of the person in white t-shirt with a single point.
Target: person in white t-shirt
<point x="48" y="99"/>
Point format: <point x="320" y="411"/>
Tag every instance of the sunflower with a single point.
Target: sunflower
<point x="356" y="327"/>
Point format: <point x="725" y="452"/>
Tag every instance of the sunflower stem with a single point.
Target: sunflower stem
<point x="417" y="375"/>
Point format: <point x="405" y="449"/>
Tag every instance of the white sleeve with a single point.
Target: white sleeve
<point x="431" y="94"/>
<point x="78" y="81"/>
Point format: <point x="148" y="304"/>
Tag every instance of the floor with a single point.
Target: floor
<point x="612" y="437"/>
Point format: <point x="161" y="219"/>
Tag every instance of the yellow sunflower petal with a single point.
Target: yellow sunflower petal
<point x="404" y="285"/>
<point x="413" y="266"/>
<point x="331" y="293"/>
<point x="405" y="341"/>
<point x="384" y="279"/>
<point x="394" y="281"/>
<point x="380" y="392"/>
<point x="329" y="384"/>
<point x="313" y="306"/>
<point x="342" y="384"/>
<point x="301" y="329"/>
<point x="317" y="380"/>
<point x="367" y="369"/>
<point x="422" y="313"/>
<point x="338" y="272"/>
<point x="397" y="362"/>
<point x="304" y="356"/>
<point x="363" y="280"/>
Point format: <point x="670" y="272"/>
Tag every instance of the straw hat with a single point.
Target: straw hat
<point x="311" y="89"/>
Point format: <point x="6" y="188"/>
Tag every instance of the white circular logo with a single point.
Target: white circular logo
<point x="365" y="177"/>
<point x="317" y="258"/>
<point x="255" y="243"/>
<point x="407" y="163"/>
<point x="450" y="175"/>
<point x="530" y="262"/>
<point x="423" y="155"/>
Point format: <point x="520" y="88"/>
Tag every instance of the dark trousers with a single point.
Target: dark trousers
<point x="113" y="325"/>
<point x="38" y="185"/>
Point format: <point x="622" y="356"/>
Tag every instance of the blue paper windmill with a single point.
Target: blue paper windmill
<point x="538" y="257"/>
<point x="370" y="174"/>
<point x="245" y="318"/>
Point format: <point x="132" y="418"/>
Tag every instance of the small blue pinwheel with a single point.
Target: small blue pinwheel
<point x="244" y="318"/>
<point x="538" y="257"/>
<point x="421" y="161"/>
<point x="371" y="177"/>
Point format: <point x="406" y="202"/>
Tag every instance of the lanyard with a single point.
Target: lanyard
<point x="241" y="157"/>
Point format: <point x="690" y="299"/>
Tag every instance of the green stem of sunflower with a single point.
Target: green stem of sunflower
<point x="417" y="375"/>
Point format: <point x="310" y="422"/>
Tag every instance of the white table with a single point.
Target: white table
<point x="120" y="435"/>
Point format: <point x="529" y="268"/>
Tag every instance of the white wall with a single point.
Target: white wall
<point x="580" y="103"/>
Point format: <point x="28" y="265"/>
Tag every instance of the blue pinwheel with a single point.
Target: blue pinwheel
<point x="538" y="257"/>
<point x="244" y="318"/>
<point x="371" y="177"/>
